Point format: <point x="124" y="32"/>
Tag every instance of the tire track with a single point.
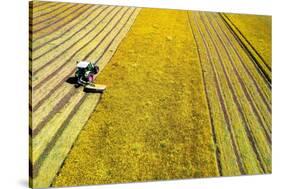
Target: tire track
<point x="73" y="70"/>
<point x="214" y="135"/>
<point x="242" y="84"/>
<point x="54" y="30"/>
<point x="74" y="54"/>
<point x="222" y="102"/>
<point x="261" y="70"/>
<point x="48" y="148"/>
<point x="254" y="49"/>
<point x="68" y="7"/>
<point x="60" y="19"/>
<point x="49" y="12"/>
<point x="259" y="90"/>
<point x="76" y="33"/>
<point x="268" y="107"/>
<point x="66" y="31"/>
<point x="235" y="98"/>
<point x="59" y="84"/>
<point x="40" y="4"/>
<point x="50" y="62"/>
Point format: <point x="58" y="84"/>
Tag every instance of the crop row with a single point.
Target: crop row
<point x="238" y="98"/>
<point x="59" y="111"/>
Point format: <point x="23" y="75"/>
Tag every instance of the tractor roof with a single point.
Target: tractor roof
<point x="82" y="64"/>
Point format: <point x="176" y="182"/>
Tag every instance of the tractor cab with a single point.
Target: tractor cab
<point x="85" y="74"/>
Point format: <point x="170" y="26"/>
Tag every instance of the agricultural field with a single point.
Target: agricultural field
<point x="60" y="35"/>
<point x="188" y="94"/>
<point x="256" y="31"/>
<point x="238" y="96"/>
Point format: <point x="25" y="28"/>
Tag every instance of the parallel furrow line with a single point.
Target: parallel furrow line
<point x="75" y="53"/>
<point x="54" y="30"/>
<point x="242" y="84"/>
<point x="261" y="70"/>
<point x="55" y="109"/>
<point x="65" y="31"/>
<point x="60" y="19"/>
<point x="268" y="107"/>
<point x="69" y="38"/>
<point x="222" y="103"/>
<point x="246" y="69"/>
<point x="40" y="4"/>
<point x="63" y="80"/>
<point x="37" y="21"/>
<point x="235" y="98"/>
<point x="49" y="12"/>
<point x="48" y="148"/>
<point x="214" y="135"/>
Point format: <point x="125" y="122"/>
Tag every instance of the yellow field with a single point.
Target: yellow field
<point x="257" y="30"/>
<point x="155" y="122"/>
<point x="239" y="98"/>
<point x="144" y="126"/>
<point x="188" y="94"/>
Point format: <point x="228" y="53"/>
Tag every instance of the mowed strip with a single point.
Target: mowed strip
<point x="45" y="28"/>
<point x="153" y="121"/>
<point x="51" y="45"/>
<point x="61" y="116"/>
<point x="39" y="6"/>
<point x="98" y="52"/>
<point x="48" y="10"/>
<point x="240" y="109"/>
<point x="46" y="81"/>
<point x="33" y="10"/>
<point x="62" y="45"/>
<point x="57" y="17"/>
<point x="51" y="16"/>
<point x="60" y="31"/>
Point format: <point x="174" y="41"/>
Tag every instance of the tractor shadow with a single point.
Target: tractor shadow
<point x="73" y="81"/>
